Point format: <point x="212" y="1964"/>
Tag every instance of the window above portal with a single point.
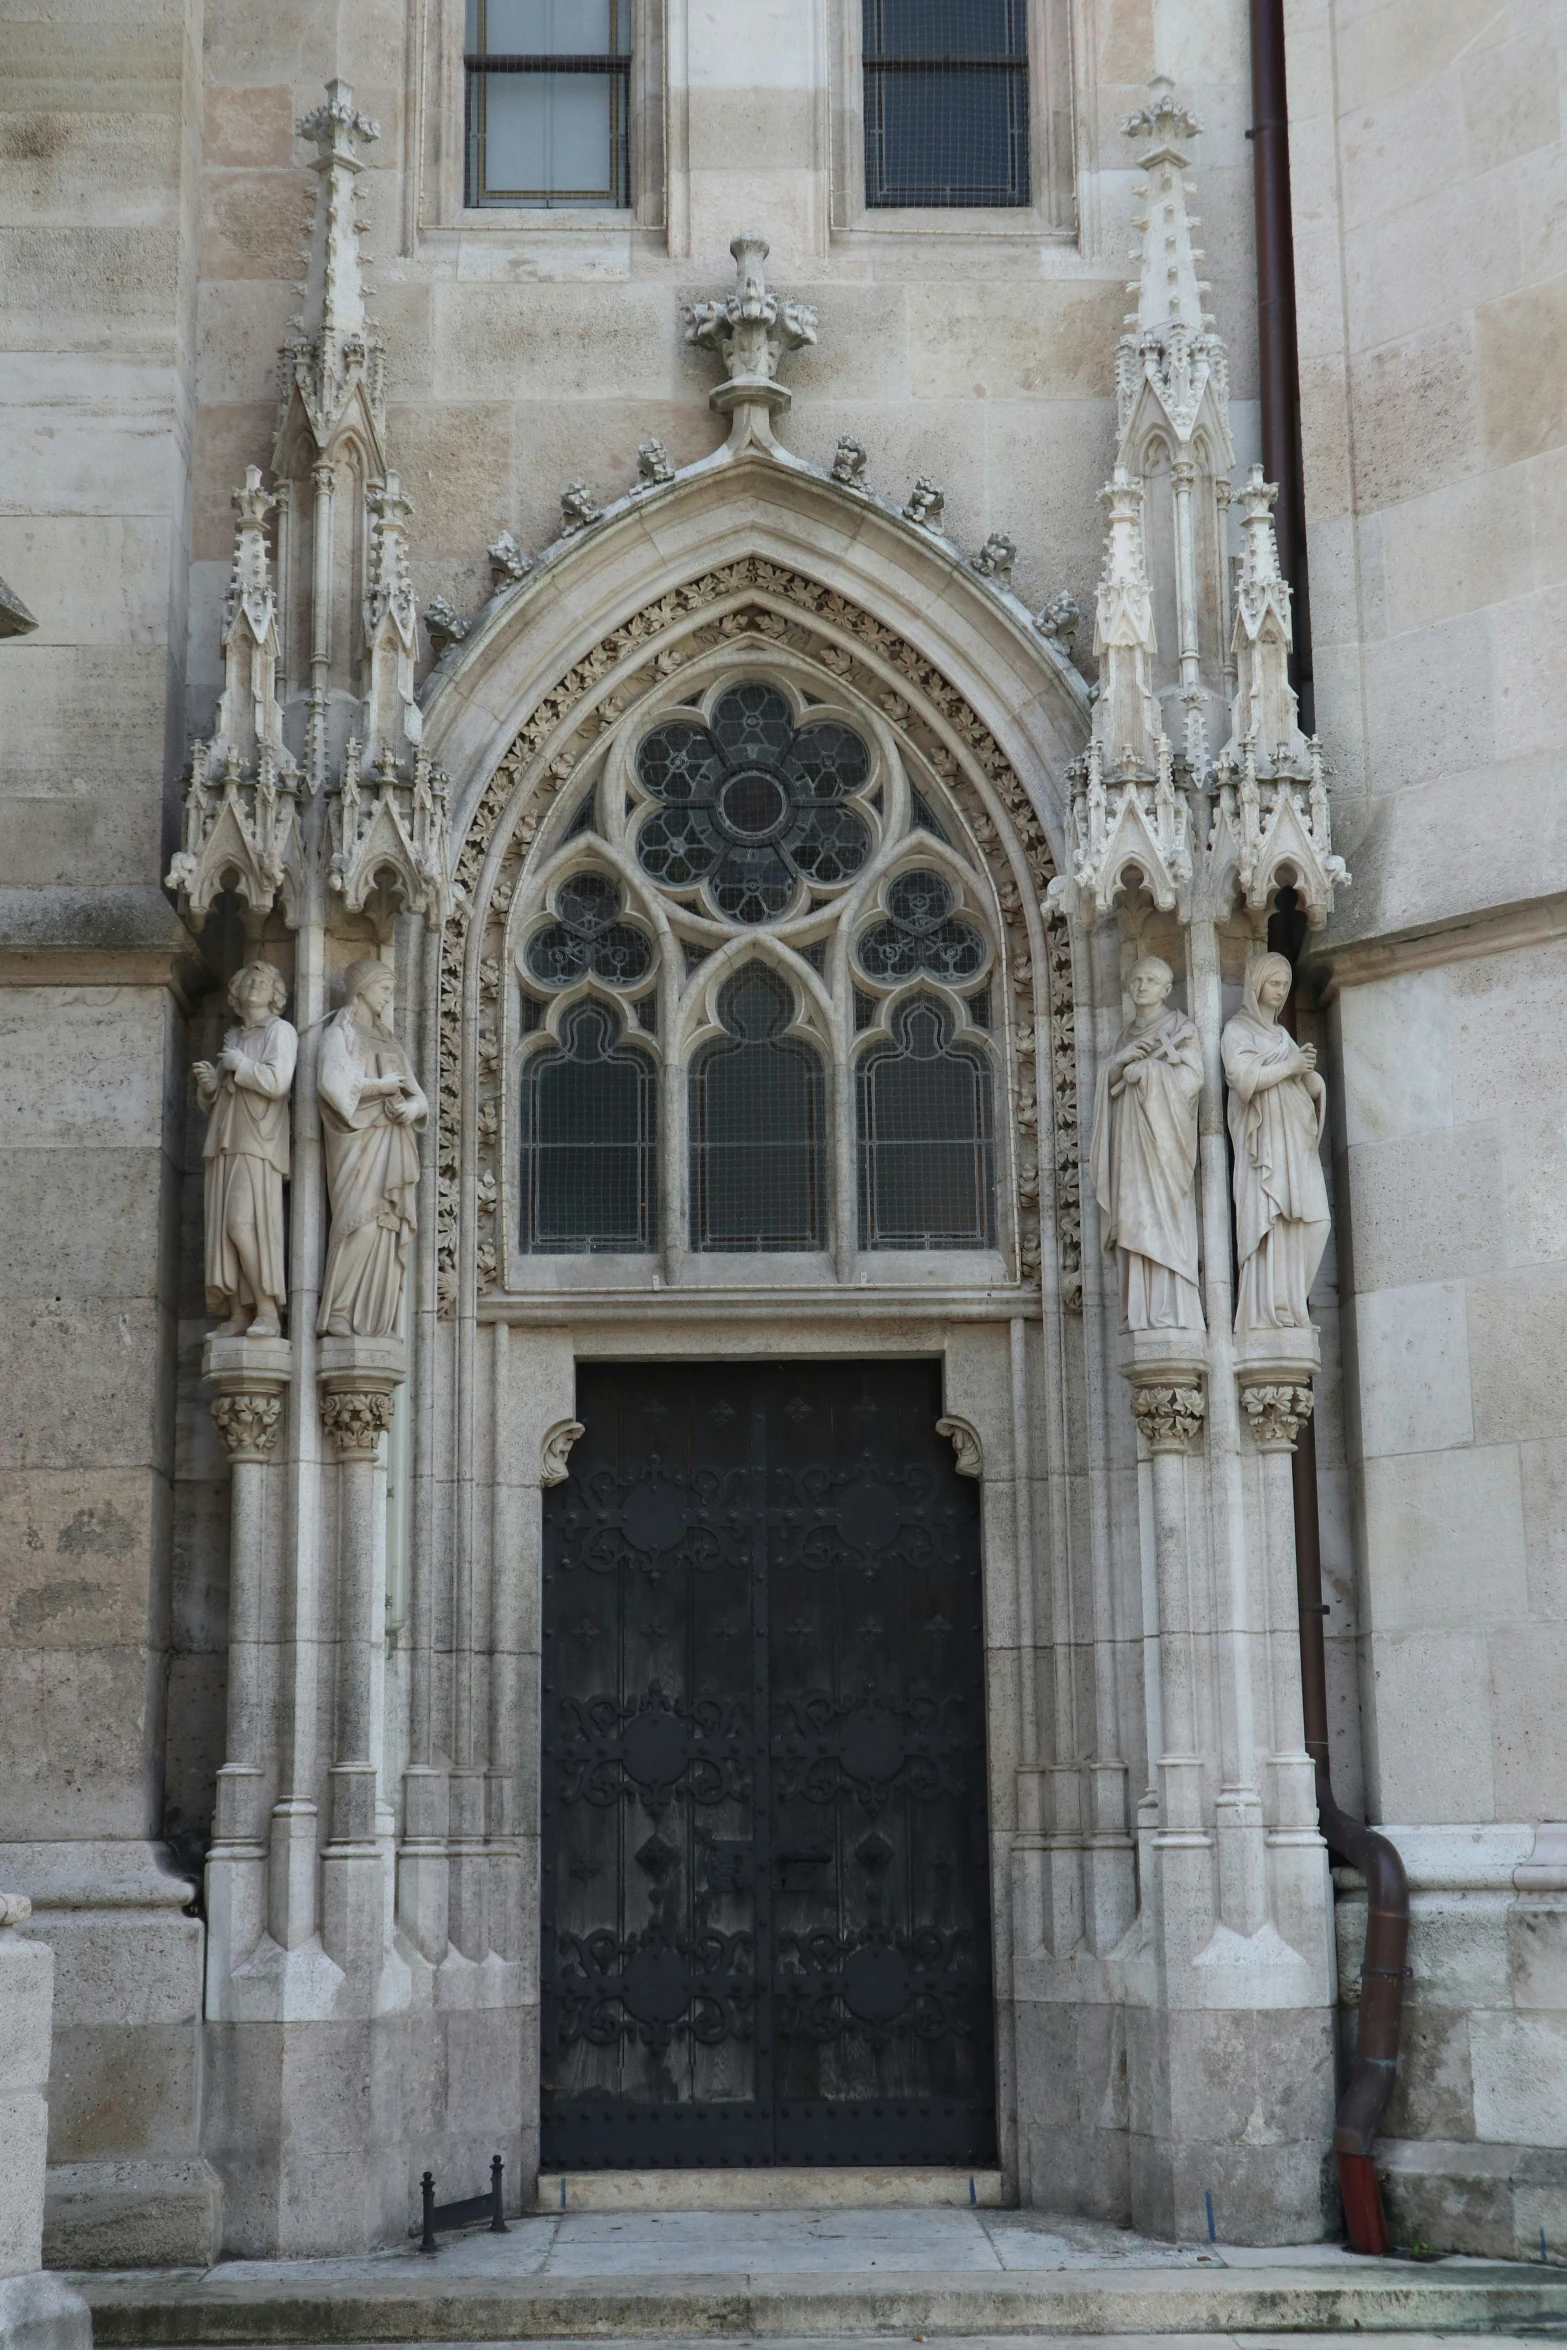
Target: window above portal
<point x="548" y="103"/>
<point x="753" y="1004"/>
<point x="946" y="103"/>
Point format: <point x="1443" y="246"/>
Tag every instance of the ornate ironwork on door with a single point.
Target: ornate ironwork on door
<point x="766" y="1928"/>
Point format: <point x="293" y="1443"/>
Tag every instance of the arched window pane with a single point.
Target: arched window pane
<point x="589" y="1141"/>
<point x="926" y="1137"/>
<point x="758" y="1149"/>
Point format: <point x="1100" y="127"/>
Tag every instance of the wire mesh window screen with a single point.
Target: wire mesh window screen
<point x="946" y="102"/>
<point x="758" y="1127"/>
<point x="926" y="1136"/>
<point x="589" y="1141"/>
<point x="549" y="102"/>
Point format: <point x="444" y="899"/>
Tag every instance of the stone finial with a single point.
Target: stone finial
<point x="443" y="625"/>
<point x="750" y="331"/>
<point x="508" y="563"/>
<point x="1169" y="291"/>
<point x="577" y="508"/>
<point x="848" y="463"/>
<point x="654" y="466"/>
<point x="927" y="504"/>
<point x="994" y="560"/>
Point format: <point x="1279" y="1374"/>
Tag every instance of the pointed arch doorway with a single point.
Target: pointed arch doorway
<point x="766" y="1933"/>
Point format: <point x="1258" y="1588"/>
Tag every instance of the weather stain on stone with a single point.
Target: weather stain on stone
<point x="107" y="1531"/>
<point x="33" y="1610"/>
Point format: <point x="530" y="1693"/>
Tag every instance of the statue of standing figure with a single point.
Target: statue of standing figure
<point x="245" y="1095"/>
<point x="370" y="1103"/>
<point x="1143" y="1159"/>
<point x="1277" y="1107"/>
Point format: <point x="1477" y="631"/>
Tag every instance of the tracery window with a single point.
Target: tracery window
<point x="754" y="961"/>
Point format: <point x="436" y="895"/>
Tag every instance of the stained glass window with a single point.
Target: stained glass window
<point x="758" y="1126"/>
<point x="926" y="1137"/>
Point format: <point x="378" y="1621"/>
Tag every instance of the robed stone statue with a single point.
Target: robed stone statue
<point x="370" y="1104"/>
<point x="245" y="1095"/>
<point x="1277" y="1107"/>
<point x="1143" y="1159"/>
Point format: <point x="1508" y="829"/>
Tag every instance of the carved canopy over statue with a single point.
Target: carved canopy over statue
<point x="1144" y="1157"/>
<point x="370" y="1103"/>
<point x="1277" y="1107"/>
<point x="245" y="1094"/>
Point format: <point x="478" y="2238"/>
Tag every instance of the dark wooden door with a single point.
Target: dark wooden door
<point x="766" y="1926"/>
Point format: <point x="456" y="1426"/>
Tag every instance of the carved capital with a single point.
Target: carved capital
<point x="1170" y="1417"/>
<point x="248" y="1422"/>
<point x="355" y="1419"/>
<point x="965" y="1444"/>
<point x="1276" y="1415"/>
<point x="554" y="1451"/>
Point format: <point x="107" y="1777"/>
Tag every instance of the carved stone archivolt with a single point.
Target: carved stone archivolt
<point x="769" y="604"/>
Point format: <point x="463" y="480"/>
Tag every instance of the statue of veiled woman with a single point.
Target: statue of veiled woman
<point x="1143" y="1159"/>
<point x="370" y="1103"/>
<point x="1277" y="1107"/>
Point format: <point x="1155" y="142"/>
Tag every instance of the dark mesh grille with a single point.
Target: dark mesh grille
<point x="946" y="102"/>
<point x="921" y="934"/>
<point x="589" y="1141"/>
<point x="925" y="1136"/>
<point x="758" y="1150"/>
<point x="751" y="807"/>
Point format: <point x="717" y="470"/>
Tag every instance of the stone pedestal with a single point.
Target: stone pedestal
<point x="37" y="2312"/>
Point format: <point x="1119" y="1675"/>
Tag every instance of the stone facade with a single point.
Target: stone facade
<point x="345" y="666"/>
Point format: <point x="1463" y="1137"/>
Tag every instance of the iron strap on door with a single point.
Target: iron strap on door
<point x="765" y="1905"/>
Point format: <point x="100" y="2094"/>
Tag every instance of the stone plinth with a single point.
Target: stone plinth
<point x="37" y="2312"/>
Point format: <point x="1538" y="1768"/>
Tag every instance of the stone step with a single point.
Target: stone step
<point x="769" y="2190"/>
<point x="136" y="2311"/>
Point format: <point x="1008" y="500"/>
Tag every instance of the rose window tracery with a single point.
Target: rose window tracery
<point x="587" y="939"/>
<point x="751" y="808"/>
<point x="921" y="935"/>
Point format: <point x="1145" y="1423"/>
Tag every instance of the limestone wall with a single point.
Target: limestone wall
<point x="1428" y="176"/>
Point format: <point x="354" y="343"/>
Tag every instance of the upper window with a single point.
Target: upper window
<point x="549" y="102"/>
<point x="946" y="102"/>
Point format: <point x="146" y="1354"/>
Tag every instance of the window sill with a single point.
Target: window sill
<point x="1022" y="225"/>
<point x="586" y="219"/>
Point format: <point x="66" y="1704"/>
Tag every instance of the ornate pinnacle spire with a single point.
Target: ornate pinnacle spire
<point x="250" y="582"/>
<point x="1264" y="715"/>
<point x="1169" y="291"/>
<point x="750" y="330"/>
<point x="1127" y="730"/>
<point x="335" y="346"/>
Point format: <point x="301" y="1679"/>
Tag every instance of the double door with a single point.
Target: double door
<point x="765" y="1929"/>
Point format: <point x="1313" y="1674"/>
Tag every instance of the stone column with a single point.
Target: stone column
<point x="357" y="1379"/>
<point x="1170" y="1407"/>
<point x="251" y="1376"/>
<point x="1273" y="1376"/>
